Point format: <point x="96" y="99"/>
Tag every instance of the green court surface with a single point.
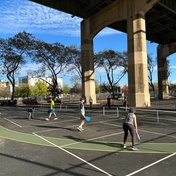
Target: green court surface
<point x="85" y="145"/>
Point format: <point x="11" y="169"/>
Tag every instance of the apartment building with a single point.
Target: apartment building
<point x="32" y="80"/>
<point x="6" y="86"/>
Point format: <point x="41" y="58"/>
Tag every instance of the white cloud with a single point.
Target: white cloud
<point x="173" y="67"/>
<point x="22" y="15"/>
<point x="27" y="67"/>
<point x="19" y="15"/>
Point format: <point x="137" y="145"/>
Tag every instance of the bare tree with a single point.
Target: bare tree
<point x="74" y="63"/>
<point x="151" y="66"/>
<point x="111" y="62"/>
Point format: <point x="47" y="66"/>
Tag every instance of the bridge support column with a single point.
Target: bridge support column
<point x="87" y="58"/>
<point x="163" y="91"/>
<point x="162" y="52"/>
<point x="137" y="59"/>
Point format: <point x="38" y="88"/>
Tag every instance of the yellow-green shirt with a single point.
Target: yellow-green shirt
<point x="52" y="104"/>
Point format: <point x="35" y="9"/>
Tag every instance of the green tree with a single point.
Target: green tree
<point x="66" y="89"/>
<point x="24" y="90"/>
<point x="14" y="54"/>
<point x="53" y="59"/>
<point x="97" y="87"/>
<point x="40" y="89"/>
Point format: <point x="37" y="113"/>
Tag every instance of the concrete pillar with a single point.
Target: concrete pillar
<point x="88" y="82"/>
<point x="163" y="90"/>
<point x="163" y="51"/>
<point x="138" y="74"/>
<point x="137" y="59"/>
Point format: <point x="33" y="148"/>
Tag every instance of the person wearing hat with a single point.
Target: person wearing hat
<point x="82" y="114"/>
<point x="130" y="124"/>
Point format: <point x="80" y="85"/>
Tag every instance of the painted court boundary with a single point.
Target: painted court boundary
<point x="106" y="173"/>
<point x="89" y="144"/>
<point x="152" y="164"/>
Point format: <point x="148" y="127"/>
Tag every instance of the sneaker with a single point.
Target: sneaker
<point x="134" y="148"/>
<point x="47" y="119"/>
<point x="55" y="118"/>
<point x="124" y="146"/>
<point x="80" y="128"/>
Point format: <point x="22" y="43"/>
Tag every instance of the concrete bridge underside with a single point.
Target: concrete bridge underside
<point x="131" y="14"/>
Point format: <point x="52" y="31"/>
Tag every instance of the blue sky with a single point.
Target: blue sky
<point x="54" y="26"/>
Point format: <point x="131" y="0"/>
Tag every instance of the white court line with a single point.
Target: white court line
<point x="91" y="139"/>
<point x="162" y="134"/>
<point x="54" y="129"/>
<point x="111" y="124"/>
<point x="53" y="123"/>
<point x="13" y="122"/>
<point x="106" y="173"/>
<point x="142" y="130"/>
<point x="155" y="110"/>
<point x="151" y="164"/>
<point x="64" y="127"/>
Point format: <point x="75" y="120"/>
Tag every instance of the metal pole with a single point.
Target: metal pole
<point x="157" y="117"/>
<point x="126" y="107"/>
<point x="117" y="112"/>
<point x="103" y="111"/>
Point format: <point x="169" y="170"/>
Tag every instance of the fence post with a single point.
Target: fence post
<point x="117" y="112"/>
<point x="126" y="107"/>
<point x="103" y="111"/>
<point x="157" y="117"/>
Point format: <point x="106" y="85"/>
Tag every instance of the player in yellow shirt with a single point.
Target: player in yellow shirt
<point x="52" y="110"/>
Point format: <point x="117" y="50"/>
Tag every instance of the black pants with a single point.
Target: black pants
<point x="129" y="127"/>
